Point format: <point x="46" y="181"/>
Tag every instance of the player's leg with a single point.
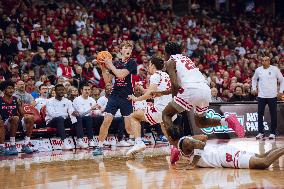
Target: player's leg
<point x="13" y="127"/>
<point x="126" y="110"/>
<point x="28" y="124"/>
<point x="265" y="162"/>
<point x="2" y="138"/>
<point x="110" y="111"/>
<point x="170" y="110"/>
<point x="136" y="118"/>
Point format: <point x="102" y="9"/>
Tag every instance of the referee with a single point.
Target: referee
<point x="265" y="80"/>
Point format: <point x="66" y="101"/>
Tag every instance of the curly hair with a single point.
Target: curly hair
<point x="173" y="48"/>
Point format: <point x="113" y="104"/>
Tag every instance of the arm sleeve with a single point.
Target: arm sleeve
<point x="131" y="66"/>
<point x="254" y="80"/>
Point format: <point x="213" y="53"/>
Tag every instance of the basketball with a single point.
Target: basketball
<point x="103" y="55"/>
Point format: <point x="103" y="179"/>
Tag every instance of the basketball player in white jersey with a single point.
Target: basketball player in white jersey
<point x="159" y="81"/>
<point x="190" y="90"/>
<point x="201" y="155"/>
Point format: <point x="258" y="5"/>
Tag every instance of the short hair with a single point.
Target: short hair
<point x="58" y="85"/>
<point x="5" y="84"/>
<point x="41" y="86"/>
<point x="157" y="62"/>
<point x="239" y="87"/>
<point x="126" y="43"/>
<point x="173" y="48"/>
<point x="85" y="84"/>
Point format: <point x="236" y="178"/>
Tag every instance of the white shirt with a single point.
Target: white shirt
<point x="82" y="105"/>
<point x="266" y="81"/>
<point x="56" y="108"/>
<point x="140" y="105"/>
<point x="102" y="102"/>
<point x="40" y="102"/>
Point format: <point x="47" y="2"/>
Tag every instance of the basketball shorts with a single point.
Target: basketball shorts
<point x="197" y="98"/>
<point x="153" y="114"/>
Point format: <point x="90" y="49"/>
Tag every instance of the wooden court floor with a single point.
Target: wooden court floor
<point x="142" y="173"/>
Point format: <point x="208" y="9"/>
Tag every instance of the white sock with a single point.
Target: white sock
<point x="101" y="144"/>
<point x="224" y="122"/>
<point x="27" y="140"/>
<point x="13" y="141"/>
<point x="138" y="139"/>
<point x="2" y="145"/>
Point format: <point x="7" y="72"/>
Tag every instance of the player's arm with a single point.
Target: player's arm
<point x="147" y="94"/>
<point x="119" y="73"/>
<point x="171" y="69"/>
<point x="106" y="75"/>
<point x="20" y="108"/>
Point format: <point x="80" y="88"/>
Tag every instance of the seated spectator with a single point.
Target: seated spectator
<point x="214" y="95"/>
<point x="81" y="58"/>
<point x="64" y="69"/>
<point x="42" y="99"/>
<point x="238" y="95"/>
<point x="22" y="95"/>
<point x="84" y="105"/>
<point x="78" y="78"/>
<point x="61" y="114"/>
<point x="24" y="44"/>
<point x="11" y="114"/>
<point x="73" y="93"/>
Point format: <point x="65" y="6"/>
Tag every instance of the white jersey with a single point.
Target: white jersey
<point x="82" y="105"/>
<point x="162" y="79"/>
<point x="224" y="156"/>
<point x="187" y="73"/>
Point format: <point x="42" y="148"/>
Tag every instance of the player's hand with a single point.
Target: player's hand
<point x="254" y="92"/>
<point x="95" y="107"/>
<point x="132" y="97"/>
<point x="75" y="113"/>
<point x="280" y="97"/>
<point x="107" y="62"/>
<point x="156" y="94"/>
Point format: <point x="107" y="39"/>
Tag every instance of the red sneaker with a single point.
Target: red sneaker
<point x="174" y="155"/>
<point x="234" y="124"/>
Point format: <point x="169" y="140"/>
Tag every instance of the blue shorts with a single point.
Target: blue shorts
<point x="115" y="102"/>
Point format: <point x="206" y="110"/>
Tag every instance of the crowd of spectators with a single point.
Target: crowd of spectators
<point x="56" y="43"/>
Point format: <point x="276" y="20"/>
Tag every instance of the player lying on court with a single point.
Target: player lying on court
<point x="190" y="91"/>
<point x="159" y="81"/>
<point x="201" y="155"/>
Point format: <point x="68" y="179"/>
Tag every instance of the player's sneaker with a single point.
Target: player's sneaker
<point x="259" y="136"/>
<point x="66" y="145"/>
<point x="6" y="151"/>
<point x="11" y="151"/>
<point x="138" y="147"/>
<point x="146" y="142"/>
<point x="123" y="143"/>
<point x="174" y="155"/>
<point x="26" y="149"/>
<point x="163" y="139"/>
<point x="81" y="144"/>
<point x="98" y="151"/>
<point x="271" y="137"/>
<point x="234" y="124"/>
<point x="131" y="142"/>
<point x="92" y="143"/>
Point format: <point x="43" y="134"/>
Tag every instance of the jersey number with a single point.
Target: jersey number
<point x="188" y="64"/>
<point x="229" y="157"/>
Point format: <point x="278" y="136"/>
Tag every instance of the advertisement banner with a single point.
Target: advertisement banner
<point x="246" y="114"/>
<point x="57" y="143"/>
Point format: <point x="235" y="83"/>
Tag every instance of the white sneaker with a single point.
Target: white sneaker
<point x="131" y="142"/>
<point x="271" y="137"/>
<point x="259" y="136"/>
<point x="106" y="143"/>
<point x="66" y="145"/>
<point x="81" y="144"/>
<point x="138" y="147"/>
<point x="123" y="143"/>
<point x="92" y="143"/>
